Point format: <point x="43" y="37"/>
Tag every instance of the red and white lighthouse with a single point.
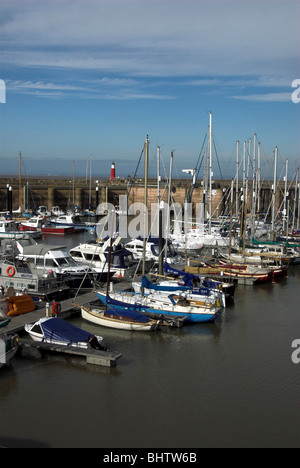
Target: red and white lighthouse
<point x="112" y="172"/>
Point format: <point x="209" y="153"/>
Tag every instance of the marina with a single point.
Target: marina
<point x="186" y="287"/>
<point x="206" y="356"/>
<point x="149" y="227"/>
<point x="84" y="302"/>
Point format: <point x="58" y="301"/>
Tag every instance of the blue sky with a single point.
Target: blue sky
<point x="93" y="78"/>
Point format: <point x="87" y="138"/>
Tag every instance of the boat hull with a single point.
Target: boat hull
<point x="8" y="350"/>
<point x="61" y="333"/>
<point x="58" y="230"/>
<point x="99" y="318"/>
<point x="198" y="315"/>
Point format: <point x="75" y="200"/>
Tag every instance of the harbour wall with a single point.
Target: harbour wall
<point x="65" y="193"/>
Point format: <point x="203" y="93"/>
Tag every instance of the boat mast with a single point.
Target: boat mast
<point x="90" y="194"/>
<point x="210" y="171"/>
<point x="285" y="212"/>
<point x="20" y="184"/>
<point x="298" y="204"/>
<point x="73" y="186"/>
<point x="258" y="176"/>
<point x="295" y="199"/>
<point x="244" y="169"/>
<point x="231" y="207"/>
<point x="145" y="201"/>
<point x="170" y="190"/>
<point x="274" y="188"/>
<point x="254" y="177"/>
<point x="158" y="177"/>
<point x="237" y="180"/>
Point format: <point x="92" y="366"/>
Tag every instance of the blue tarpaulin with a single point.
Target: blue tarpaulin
<point x="156" y="287"/>
<point x="58" y="329"/>
<point x="124" y="305"/>
<point x="131" y="314"/>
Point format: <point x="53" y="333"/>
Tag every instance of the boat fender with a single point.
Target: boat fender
<point x="56" y="308"/>
<point x="10" y="271"/>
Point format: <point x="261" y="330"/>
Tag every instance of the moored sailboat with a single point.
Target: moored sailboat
<point x="121" y="319"/>
<point x="155" y="304"/>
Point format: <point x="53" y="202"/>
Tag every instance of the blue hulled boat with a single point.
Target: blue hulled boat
<point x="157" y="305"/>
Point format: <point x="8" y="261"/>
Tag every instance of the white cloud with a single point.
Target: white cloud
<point x="268" y="97"/>
<point x="105" y="88"/>
<point x="147" y="38"/>
<point x="40" y="85"/>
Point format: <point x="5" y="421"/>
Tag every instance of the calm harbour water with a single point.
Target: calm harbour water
<point x="228" y="384"/>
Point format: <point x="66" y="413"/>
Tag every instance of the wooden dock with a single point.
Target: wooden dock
<point x="93" y="356"/>
<point x="67" y="309"/>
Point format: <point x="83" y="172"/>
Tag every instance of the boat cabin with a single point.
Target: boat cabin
<point x="48" y="257"/>
<point x="135" y="246"/>
<point x="33" y="224"/>
<point x="96" y="254"/>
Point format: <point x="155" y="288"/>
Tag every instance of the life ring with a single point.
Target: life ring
<point x="10" y="271"/>
<point x="56" y="308"/>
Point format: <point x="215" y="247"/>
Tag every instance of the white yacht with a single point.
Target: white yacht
<point x="72" y="220"/>
<point x="57" y="211"/>
<point x="43" y="211"/>
<point x="19" y="276"/>
<point x="198" y="237"/>
<point x="135" y="246"/>
<point x="96" y="255"/>
<point x="55" y="258"/>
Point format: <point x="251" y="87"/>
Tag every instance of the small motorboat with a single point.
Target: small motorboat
<point x="8" y="347"/>
<point x="55" y="330"/>
<point x="120" y="319"/>
<point x="9" y="229"/>
<point x="33" y="224"/>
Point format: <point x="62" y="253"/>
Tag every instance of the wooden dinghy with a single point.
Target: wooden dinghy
<point x="122" y="320"/>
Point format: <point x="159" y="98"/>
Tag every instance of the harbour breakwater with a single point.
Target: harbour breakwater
<point x="66" y="193"/>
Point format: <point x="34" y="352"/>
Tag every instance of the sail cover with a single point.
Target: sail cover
<point x="187" y="280"/>
<point x="186" y="276"/>
<point x="124" y="305"/>
<point x="130" y="314"/>
<point x="58" y="329"/>
<point x="156" y="287"/>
